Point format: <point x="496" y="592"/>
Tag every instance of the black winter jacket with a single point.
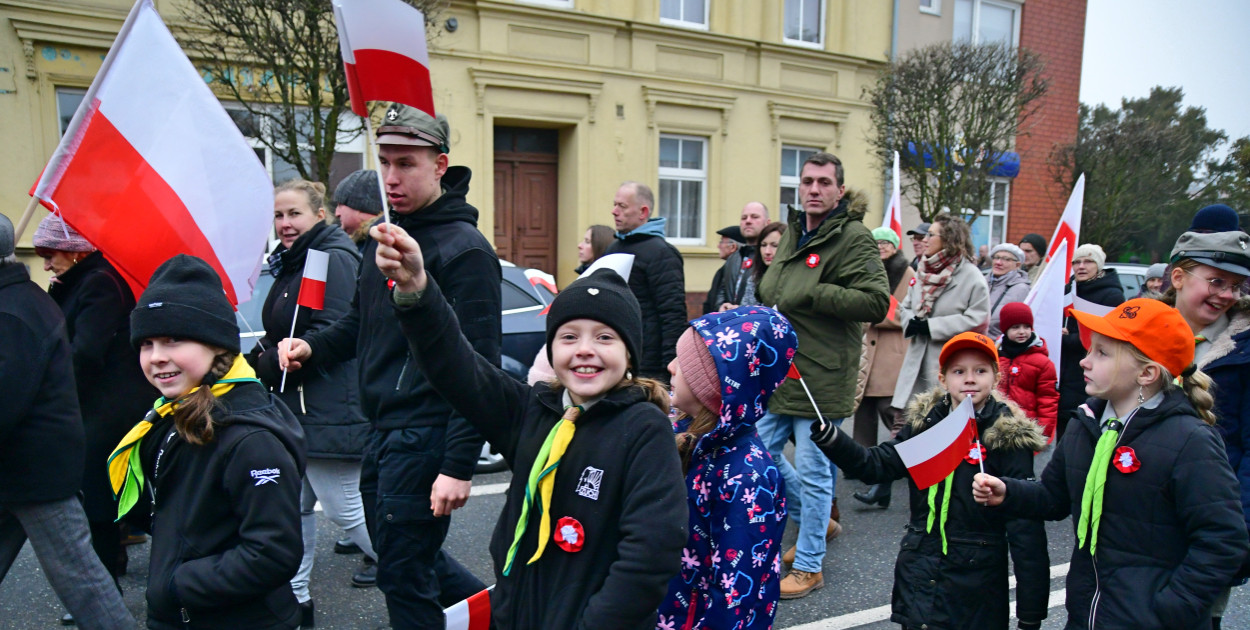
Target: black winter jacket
<point x="325" y="398"/>
<point x="41" y="437"/>
<point x="394" y="394"/>
<point x="113" y="394"/>
<point x="620" y="479"/>
<point x="1171" y="534"/>
<point x="1107" y="291"/>
<point x="224" y="517"/>
<point x="967" y="588"/>
<point x="658" y="280"/>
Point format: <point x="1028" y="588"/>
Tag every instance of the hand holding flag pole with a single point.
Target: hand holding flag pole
<point x="794" y="373"/>
<point x="312" y="292"/>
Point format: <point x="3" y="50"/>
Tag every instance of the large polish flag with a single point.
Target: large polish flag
<point x="384" y="53"/>
<point x="1047" y="301"/>
<point x="935" y="453"/>
<point x="894" y="214"/>
<point x="1069" y="228"/>
<point x="152" y="166"/>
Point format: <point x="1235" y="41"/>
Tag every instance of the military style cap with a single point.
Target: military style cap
<point x="1229" y="251"/>
<point x="412" y="127"/>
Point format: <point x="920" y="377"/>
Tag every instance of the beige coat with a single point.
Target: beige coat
<point x="884" y="349"/>
<point x="964" y="306"/>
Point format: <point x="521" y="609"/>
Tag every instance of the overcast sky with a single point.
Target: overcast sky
<point x="1202" y="46"/>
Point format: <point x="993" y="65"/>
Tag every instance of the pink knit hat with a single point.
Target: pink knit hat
<point x="699" y="369"/>
<point x="54" y="233"/>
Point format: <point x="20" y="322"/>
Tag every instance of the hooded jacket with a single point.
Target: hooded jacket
<point x="619" y="482"/>
<point x="965" y="588"/>
<point x="827" y="289"/>
<point x="730" y="571"/>
<point x="394" y="393"/>
<point x="113" y="394"/>
<point x="225" y="517"/>
<point x="658" y="281"/>
<point x="1028" y="379"/>
<point x="1171" y="534"/>
<point x="1012" y="286"/>
<point x="326" y="397"/>
<point x="1107" y="291"/>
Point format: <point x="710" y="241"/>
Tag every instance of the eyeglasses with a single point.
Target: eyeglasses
<point x="1005" y="259"/>
<point x="1217" y="286"/>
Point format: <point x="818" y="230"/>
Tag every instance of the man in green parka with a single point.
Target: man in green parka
<point x="827" y="279"/>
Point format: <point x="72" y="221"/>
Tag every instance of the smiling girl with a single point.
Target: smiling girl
<point x="594" y="522"/>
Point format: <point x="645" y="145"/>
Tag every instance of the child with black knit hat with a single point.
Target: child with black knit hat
<point x="214" y="469"/>
<point x="594" y="522"/>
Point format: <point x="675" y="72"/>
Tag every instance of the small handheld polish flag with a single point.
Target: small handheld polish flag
<point x="470" y="614"/>
<point x="794" y="373"/>
<point x="933" y="454"/>
<point x="312" y="291"/>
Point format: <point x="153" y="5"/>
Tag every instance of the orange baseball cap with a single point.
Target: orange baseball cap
<point x="1155" y="328"/>
<point x="967" y="341"/>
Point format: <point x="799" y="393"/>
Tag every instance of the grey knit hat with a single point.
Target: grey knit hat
<point x="6" y="237"/>
<point x="359" y="191"/>
<point x="1010" y="249"/>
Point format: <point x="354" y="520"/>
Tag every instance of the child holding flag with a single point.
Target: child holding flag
<point x="594" y="522"/>
<point x="216" y="464"/>
<point x="728" y="365"/>
<point x="1143" y="472"/>
<point x="952" y="569"/>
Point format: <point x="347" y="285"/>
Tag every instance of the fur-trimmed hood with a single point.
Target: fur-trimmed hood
<point x="1003" y="425"/>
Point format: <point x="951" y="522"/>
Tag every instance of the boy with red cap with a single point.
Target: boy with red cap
<point x="1028" y="375"/>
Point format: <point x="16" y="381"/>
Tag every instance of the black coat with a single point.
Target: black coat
<point x="1171" y="535"/>
<point x="226" y="537"/>
<point x="113" y="394"/>
<point x="325" y="397"/>
<point x="1107" y="291"/>
<point x="394" y="394"/>
<point x="966" y="588"/>
<point x="709" y="303"/>
<point x="659" y="282"/>
<point x="41" y="437"/>
<point x="620" y="478"/>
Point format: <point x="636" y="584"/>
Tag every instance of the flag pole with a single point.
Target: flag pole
<point x="809" y="397"/>
<point x="294" y="318"/>
<point x="25" y="220"/>
<point x="373" y="146"/>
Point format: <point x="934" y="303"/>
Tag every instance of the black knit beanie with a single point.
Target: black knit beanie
<point x="359" y="191"/>
<point x="185" y="300"/>
<point x="604" y="297"/>
<point x="1037" y="241"/>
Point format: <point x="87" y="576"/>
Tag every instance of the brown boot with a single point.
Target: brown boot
<point x="833" y="530"/>
<point x="834" y="513"/>
<point x="787" y="558"/>
<point x="800" y="584"/>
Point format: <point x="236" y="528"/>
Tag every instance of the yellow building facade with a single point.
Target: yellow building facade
<point x="553" y="103"/>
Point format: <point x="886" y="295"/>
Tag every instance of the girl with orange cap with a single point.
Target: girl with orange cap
<point x="1143" y="473"/>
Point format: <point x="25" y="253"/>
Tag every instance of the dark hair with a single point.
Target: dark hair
<point x="757" y="262"/>
<point x="822" y="158"/>
<point x="702" y="423"/>
<point x="193" y="415"/>
<point x="956" y="235"/>
<point x="601" y="236"/>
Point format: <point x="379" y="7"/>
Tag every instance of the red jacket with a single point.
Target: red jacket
<point x="1029" y="381"/>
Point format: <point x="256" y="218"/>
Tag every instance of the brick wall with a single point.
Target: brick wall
<point x="1054" y="29"/>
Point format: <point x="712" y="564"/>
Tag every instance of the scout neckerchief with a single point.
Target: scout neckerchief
<point x="1096" y="480"/>
<point x="541" y="481"/>
<point x="125" y="469"/>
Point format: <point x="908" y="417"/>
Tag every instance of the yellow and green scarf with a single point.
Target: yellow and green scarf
<point x="541" y="481"/>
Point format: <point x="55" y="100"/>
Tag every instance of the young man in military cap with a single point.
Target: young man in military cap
<point x="421" y="454"/>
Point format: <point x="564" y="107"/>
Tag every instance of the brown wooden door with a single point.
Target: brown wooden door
<point x="526" y="163"/>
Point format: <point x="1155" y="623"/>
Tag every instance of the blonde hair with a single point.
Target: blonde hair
<point x="1196" y="385"/>
<point x="655" y="391"/>
<point x="702" y="424"/>
<point x="315" y="191"/>
<point x="193" y="415"/>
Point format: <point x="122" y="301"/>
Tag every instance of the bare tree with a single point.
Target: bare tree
<point x="280" y="60"/>
<point x="952" y="111"/>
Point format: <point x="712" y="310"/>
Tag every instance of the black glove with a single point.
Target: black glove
<point x="826" y="436"/>
<point x="917" y="326"/>
<point x="1029" y="625"/>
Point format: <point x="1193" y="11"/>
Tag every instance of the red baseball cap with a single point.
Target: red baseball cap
<point x="1155" y="328"/>
<point x="967" y="341"/>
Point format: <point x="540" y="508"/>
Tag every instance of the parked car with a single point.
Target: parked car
<point x="1132" y="277"/>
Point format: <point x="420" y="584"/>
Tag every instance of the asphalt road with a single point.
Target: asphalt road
<point x="858" y="573"/>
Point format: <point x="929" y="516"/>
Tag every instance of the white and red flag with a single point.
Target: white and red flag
<point x="384" y="53"/>
<point x="1048" y="301"/>
<point x="1069" y="228"/>
<point x="934" y="454"/>
<point x="470" y="614"/>
<point x="312" y="288"/>
<point x="894" y="214"/>
<point x="152" y="166"/>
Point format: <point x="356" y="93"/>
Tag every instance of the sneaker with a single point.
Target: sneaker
<point x="367" y="577"/>
<point x="833" y="530"/>
<point x="346" y="546"/>
<point x="798" y="584"/>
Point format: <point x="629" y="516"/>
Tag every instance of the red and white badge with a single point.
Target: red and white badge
<point x="747" y="262"/>
<point x="813" y="260"/>
<point x="1125" y="460"/>
<point x="570" y="535"/>
<point x="976" y="453"/>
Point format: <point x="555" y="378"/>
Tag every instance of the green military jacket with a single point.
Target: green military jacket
<point x="827" y="289"/>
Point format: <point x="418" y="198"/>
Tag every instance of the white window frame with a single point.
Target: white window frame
<point x="1016" y="7"/>
<point x="683" y="22"/>
<point x="824" y="18"/>
<point x="996" y="216"/>
<point x="65" y="89"/>
<point x="790" y="181"/>
<point x="557" y="4"/>
<point x="685" y="175"/>
<point x="934" y="9"/>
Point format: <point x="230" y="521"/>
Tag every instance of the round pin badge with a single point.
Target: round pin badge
<point x="569" y="535"/>
<point x="976" y="453"/>
<point x="1125" y="460"/>
<point x="813" y="260"/>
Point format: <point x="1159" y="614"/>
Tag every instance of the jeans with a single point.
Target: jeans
<point x="416" y="576"/>
<point x="809" y="483"/>
<point x="59" y="534"/>
<point x="336" y="482"/>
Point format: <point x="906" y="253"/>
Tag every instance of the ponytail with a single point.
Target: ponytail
<point x="702" y="423"/>
<point x="1197" y="387"/>
<point x="193" y="415"/>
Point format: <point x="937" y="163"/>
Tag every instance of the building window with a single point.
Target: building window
<point x="792" y="159"/>
<point x="932" y="7"/>
<point x="67" y="102"/>
<point x="986" y="21"/>
<point x="683" y="187"/>
<point x="990" y="228"/>
<point x="688" y="13"/>
<point x="805" y="22"/>
<point x="348" y="155"/>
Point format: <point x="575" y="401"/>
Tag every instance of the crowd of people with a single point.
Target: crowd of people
<point x="650" y="484"/>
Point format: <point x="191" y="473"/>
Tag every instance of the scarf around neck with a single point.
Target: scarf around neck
<point x="934" y="274"/>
